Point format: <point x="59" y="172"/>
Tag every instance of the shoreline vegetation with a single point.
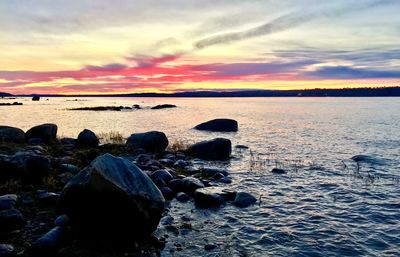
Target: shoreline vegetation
<point x="317" y="92"/>
<point x="65" y="196"/>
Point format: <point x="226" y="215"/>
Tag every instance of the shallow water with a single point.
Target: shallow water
<point x="324" y="206"/>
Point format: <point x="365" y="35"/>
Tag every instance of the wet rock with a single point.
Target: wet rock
<point x="68" y="168"/>
<point x="241" y="147"/>
<point x="167" y="193"/>
<point x="205" y="198"/>
<point x="224" y="180"/>
<point x="6" y="250"/>
<point x="87" y="139"/>
<point x="166" y="162"/>
<point x="11" y="134"/>
<point x="182" y="197"/>
<point x="190" y="184"/>
<point x="212" y="171"/>
<point x="47" y="198"/>
<point x="62" y="220"/>
<point x="65" y="177"/>
<point x="176" y="185"/>
<point x="8" y="201"/>
<point x="368" y="159"/>
<point x="46" y="132"/>
<point x="160" y="183"/>
<point x="162" y="174"/>
<point x="181" y="164"/>
<point x="115" y="193"/>
<point x="50" y="243"/>
<point x="153" y="141"/>
<point x="11" y="220"/>
<point x="244" y="199"/>
<point x="216" y="149"/>
<point x="219" y="125"/>
<point x="163" y="106"/>
<point x="218" y="176"/>
<point x="136" y="106"/>
<point x="278" y="171"/>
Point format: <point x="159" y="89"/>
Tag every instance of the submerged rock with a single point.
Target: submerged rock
<point x="244" y="199"/>
<point x="87" y="139"/>
<point x="216" y="149"/>
<point x="46" y="132"/>
<point x="278" y="171"/>
<point x="112" y="198"/>
<point x="368" y="159"/>
<point x="11" y="134"/>
<point x="153" y="141"/>
<point x="205" y="198"/>
<point x="219" y="125"/>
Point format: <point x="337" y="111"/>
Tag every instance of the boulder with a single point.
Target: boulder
<point x="87" y="139"/>
<point x="46" y="132"/>
<point x="32" y="166"/>
<point x="8" y="201"/>
<point x="244" y="199"/>
<point x="11" y="134"/>
<point x="216" y="149"/>
<point x="278" y="171"/>
<point x="153" y="141"/>
<point x="205" y="198"/>
<point x="35" y="98"/>
<point x="219" y="125"/>
<point x="11" y="220"/>
<point x="113" y="199"/>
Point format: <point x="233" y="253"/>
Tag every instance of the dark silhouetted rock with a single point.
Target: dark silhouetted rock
<point x="10" y="104"/>
<point x="32" y="166"/>
<point x="8" y="201"/>
<point x="212" y="171"/>
<point x="162" y="174"/>
<point x="62" y="220"/>
<point x="219" y="125"/>
<point x="102" y="108"/>
<point x="112" y="198"/>
<point x="47" y="198"/>
<point x="205" y="198"/>
<point x="50" y="243"/>
<point x="7" y="250"/>
<point x="11" y="220"/>
<point x="244" y="199"/>
<point x="153" y="141"/>
<point x="68" y="168"/>
<point x="46" y="132"/>
<point x="176" y="185"/>
<point x="35" y="98"/>
<point x="182" y="197"/>
<point x="11" y="134"/>
<point x="210" y="247"/>
<point x="87" y="139"/>
<point x="216" y="149"/>
<point x="278" y="171"/>
<point x="163" y="106"/>
<point x="369" y="159"/>
<point x="167" y="193"/>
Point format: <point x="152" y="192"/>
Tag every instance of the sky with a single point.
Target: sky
<point x="165" y="46"/>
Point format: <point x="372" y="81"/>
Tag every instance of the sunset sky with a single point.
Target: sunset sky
<point x="122" y="46"/>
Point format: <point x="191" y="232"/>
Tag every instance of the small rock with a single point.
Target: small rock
<point x="163" y="106"/>
<point x="11" y="220"/>
<point x="211" y="171"/>
<point x="166" y="162"/>
<point x="218" y="176"/>
<point x="210" y="247"/>
<point x="176" y="185"/>
<point x="241" y="147"/>
<point x="190" y="184"/>
<point x="244" y="199"/>
<point x="68" y="168"/>
<point x="182" y="197"/>
<point x="8" y="201"/>
<point x="50" y="243"/>
<point x="47" y="198"/>
<point x="162" y="174"/>
<point x="181" y="164"/>
<point x="167" y="193"/>
<point x="204" y="198"/>
<point x="224" y="180"/>
<point x="6" y="250"/>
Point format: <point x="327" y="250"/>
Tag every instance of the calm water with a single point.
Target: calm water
<point x="323" y="206"/>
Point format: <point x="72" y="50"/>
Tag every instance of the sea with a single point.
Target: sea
<point x="326" y="204"/>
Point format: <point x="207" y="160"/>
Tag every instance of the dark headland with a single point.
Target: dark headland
<point x="317" y="92"/>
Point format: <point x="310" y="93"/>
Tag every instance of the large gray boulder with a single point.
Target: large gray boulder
<point x="11" y="134"/>
<point x="219" y="125"/>
<point x="112" y="198"/>
<point x="152" y="141"/>
<point x="216" y="149"/>
<point x="46" y="132"/>
<point x="87" y="139"/>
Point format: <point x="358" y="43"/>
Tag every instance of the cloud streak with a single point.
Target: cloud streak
<point x="285" y="22"/>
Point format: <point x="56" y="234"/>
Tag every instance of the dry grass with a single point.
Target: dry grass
<point x="178" y="146"/>
<point x="112" y="137"/>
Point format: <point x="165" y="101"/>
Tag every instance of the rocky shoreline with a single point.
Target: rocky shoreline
<point x="67" y="196"/>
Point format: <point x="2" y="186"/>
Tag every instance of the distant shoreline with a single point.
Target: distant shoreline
<point x="344" y="92"/>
